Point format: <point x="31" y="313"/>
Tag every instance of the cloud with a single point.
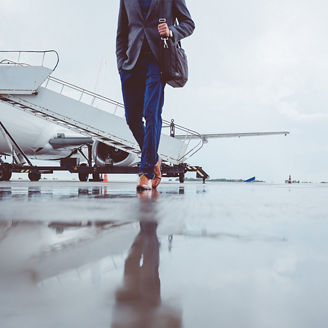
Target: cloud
<point x="290" y="109"/>
<point x="11" y="6"/>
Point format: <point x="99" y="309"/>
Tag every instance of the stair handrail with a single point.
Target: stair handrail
<point x="19" y="52"/>
<point x="118" y="105"/>
<point x="113" y="102"/>
<point x="82" y="90"/>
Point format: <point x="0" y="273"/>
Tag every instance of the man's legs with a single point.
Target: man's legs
<point x="143" y="95"/>
<point x="152" y="111"/>
<point x="133" y="90"/>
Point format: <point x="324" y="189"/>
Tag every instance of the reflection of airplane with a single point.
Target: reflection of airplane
<point x="61" y="125"/>
<point x="71" y="246"/>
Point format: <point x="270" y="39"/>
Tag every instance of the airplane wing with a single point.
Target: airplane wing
<point x="207" y="136"/>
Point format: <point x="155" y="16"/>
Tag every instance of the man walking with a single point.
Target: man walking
<point x="138" y="44"/>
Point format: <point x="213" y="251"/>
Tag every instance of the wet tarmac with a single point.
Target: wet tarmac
<point x="217" y="255"/>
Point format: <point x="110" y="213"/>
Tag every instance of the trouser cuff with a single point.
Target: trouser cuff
<point x="149" y="173"/>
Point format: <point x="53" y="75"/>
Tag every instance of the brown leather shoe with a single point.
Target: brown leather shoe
<point x="158" y="174"/>
<point x="144" y="183"/>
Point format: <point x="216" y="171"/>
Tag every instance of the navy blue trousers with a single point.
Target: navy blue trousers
<point x="143" y="95"/>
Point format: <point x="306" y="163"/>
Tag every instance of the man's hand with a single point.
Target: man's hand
<point x="163" y="30"/>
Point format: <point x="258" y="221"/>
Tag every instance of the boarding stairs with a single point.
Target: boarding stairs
<point x="32" y="89"/>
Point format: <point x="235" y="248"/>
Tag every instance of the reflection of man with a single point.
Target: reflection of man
<point x="138" y="302"/>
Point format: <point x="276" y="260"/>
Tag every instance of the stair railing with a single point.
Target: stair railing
<point x="117" y="108"/>
<point x="19" y="53"/>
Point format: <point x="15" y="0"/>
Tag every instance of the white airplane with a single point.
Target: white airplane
<point x="44" y="140"/>
<point x="37" y="122"/>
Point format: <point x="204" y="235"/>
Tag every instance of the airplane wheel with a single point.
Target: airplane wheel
<point x="34" y="176"/>
<point x="181" y="177"/>
<point x="83" y="176"/>
<point x="5" y="172"/>
<point x="96" y="177"/>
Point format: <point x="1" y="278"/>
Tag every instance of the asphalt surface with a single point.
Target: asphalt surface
<point x="99" y="255"/>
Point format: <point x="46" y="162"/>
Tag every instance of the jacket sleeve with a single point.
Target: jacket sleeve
<point x="186" y="25"/>
<point x="121" y="36"/>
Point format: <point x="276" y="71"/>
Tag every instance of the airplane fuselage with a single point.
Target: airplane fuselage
<point x="32" y="134"/>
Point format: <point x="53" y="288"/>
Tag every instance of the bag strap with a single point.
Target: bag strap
<point x="163" y="19"/>
<point x="161" y="12"/>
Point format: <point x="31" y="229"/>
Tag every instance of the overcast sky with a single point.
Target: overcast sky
<point x="257" y="65"/>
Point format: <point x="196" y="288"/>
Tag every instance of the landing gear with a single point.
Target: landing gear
<point x="5" y="172"/>
<point x="96" y="177"/>
<point x="18" y="158"/>
<point x="83" y="176"/>
<point x="34" y="176"/>
<point x="181" y="177"/>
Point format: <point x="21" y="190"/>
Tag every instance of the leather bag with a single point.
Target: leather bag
<point x="173" y="61"/>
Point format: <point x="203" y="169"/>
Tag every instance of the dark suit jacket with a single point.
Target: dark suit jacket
<point x="133" y="28"/>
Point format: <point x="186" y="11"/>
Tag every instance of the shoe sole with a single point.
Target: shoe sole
<point x="141" y="188"/>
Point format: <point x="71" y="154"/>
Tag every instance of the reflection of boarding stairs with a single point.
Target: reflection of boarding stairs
<point x="33" y="89"/>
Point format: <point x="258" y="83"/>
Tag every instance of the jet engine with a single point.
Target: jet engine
<point x="106" y="155"/>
